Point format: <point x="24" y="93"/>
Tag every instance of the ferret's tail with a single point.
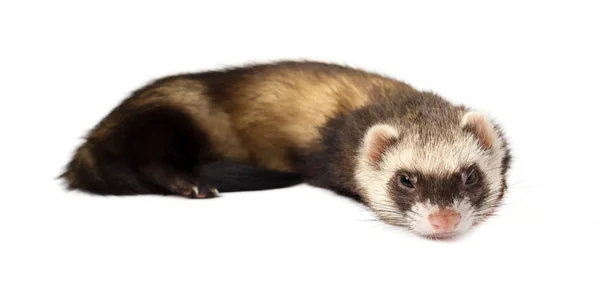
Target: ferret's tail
<point x="229" y="176"/>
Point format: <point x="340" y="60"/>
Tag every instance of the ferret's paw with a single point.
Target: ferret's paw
<point x="204" y="191"/>
<point x="196" y="191"/>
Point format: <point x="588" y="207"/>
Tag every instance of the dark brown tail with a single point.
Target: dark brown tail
<point x="228" y="176"/>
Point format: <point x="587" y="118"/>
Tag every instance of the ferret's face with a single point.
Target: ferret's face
<point x="437" y="184"/>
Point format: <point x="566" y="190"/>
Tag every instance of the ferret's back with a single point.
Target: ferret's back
<point x="263" y="114"/>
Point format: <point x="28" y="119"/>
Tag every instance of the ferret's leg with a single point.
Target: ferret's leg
<point x="165" y="146"/>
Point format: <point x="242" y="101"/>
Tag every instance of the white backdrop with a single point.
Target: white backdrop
<point x="65" y="64"/>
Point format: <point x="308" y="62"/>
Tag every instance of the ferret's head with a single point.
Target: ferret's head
<point x="437" y="174"/>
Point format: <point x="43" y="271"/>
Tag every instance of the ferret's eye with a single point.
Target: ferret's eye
<point x="406" y="182"/>
<point x="472" y="178"/>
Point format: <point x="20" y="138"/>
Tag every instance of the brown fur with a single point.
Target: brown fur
<point x="263" y="115"/>
<point x="286" y="103"/>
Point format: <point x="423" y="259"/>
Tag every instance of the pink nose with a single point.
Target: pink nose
<point x="444" y="220"/>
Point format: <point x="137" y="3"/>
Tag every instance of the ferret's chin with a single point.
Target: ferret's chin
<point x="443" y="235"/>
<point x="434" y="235"/>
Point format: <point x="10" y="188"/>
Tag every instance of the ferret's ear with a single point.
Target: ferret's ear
<point x="483" y="129"/>
<point x="377" y="140"/>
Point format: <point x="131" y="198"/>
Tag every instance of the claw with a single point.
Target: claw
<point x="195" y="189"/>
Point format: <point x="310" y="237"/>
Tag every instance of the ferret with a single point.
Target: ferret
<point x="413" y="158"/>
